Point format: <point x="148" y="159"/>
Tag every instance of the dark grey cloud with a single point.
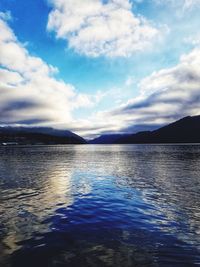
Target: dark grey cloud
<point x="166" y="95"/>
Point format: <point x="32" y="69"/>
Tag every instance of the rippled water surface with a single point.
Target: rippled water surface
<point x="88" y="205"/>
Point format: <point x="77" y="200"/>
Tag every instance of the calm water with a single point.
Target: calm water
<point x="99" y="205"/>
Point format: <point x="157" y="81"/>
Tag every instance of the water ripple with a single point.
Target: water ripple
<point x="100" y="206"/>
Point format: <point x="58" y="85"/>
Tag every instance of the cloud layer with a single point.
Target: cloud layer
<point x="29" y="92"/>
<point x="100" y="28"/>
<point x="31" y="95"/>
<point x="166" y="95"/>
<point x="182" y="4"/>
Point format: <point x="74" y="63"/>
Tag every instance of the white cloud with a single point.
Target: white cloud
<point x="183" y="5"/>
<point x="192" y="40"/>
<point x="94" y="28"/>
<point x="190" y="3"/>
<point x="166" y="95"/>
<point x="9" y="77"/>
<point x="6" y="15"/>
<point x="29" y="92"/>
<point x="129" y="81"/>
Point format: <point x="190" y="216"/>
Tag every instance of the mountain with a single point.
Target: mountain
<point x="38" y="135"/>
<point x="186" y="130"/>
<point x="106" y="139"/>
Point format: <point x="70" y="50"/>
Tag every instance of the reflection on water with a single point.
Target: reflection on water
<point x="100" y="205"/>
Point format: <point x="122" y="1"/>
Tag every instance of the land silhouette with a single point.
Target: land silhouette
<point x="185" y="130"/>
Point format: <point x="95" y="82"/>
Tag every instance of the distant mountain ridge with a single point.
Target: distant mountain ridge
<point x="106" y="139"/>
<point x="185" y="130"/>
<point x="38" y="135"/>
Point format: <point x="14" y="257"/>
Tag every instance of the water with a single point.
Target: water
<point x="88" y="205"/>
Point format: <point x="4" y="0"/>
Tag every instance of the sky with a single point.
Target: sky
<point x="99" y="66"/>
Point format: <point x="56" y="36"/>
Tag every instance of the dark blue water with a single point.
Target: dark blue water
<point x="88" y="205"/>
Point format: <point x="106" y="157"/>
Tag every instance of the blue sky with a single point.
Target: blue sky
<point x="95" y="60"/>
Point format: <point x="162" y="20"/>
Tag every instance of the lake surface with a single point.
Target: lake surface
<point x="87" y="205"/>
